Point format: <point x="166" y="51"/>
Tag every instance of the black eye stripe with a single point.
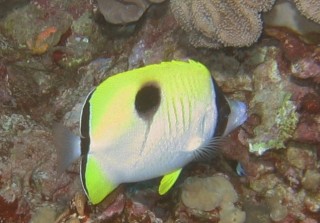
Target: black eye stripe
<point x="85" y="139"/>
<point x="147" y="100"/>
<point x="84" y="127"/>
<point x="223" y="109"/>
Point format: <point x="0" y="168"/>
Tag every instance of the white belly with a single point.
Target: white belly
<point x="156" y="150"/>
<point x="158" y="146"/>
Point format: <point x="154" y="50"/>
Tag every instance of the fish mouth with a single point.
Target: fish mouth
<point x="237" y="117"/>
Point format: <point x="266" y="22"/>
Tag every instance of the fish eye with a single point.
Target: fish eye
<point x="148" y="100"/>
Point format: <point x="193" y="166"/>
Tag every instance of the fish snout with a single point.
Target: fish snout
<point x="237" y="117"/>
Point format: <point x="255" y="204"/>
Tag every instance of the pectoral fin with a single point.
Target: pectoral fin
<point x="168" y="181"/>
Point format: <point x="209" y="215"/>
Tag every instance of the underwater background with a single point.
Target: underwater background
<point x="264" y="53"/>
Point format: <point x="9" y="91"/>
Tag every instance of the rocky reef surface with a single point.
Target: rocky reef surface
<point x="53" y="53"/>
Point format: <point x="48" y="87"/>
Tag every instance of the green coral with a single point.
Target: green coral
<point x="21" y="24"/>
<point x="86" y="39"/>
<point x="287" y="118"/>
<point x="285" y="123"/>
<point x="272" y="103"/>
<point x="31" y="28"/>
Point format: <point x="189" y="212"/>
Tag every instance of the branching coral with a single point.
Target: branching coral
<point x="216" y="23"/>
<point x="309" y="8"/>
<point x="124" y="11"/>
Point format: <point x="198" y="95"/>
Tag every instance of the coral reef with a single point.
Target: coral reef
<point x="32" y="166"/>
<point x="71" y="38"/>
<point x="285" y="13"/>
<point x="125" y="11"/>
<point x="311" y="180"/>
<point x="273" y="104"/>
<point x="214" y="24"/>
<point x="44" y="214"/>
<point x="309" y="8"/>
<point x="210" y="193"/>
<point x="83" y="41"/>
<point x="53" y="53"/>
<point x="43" y="35"/>
<point x="273" y="188"/>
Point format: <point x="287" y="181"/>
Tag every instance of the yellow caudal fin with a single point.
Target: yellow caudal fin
<point x="168" y="181"/>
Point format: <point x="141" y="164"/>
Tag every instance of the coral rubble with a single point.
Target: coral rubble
<point x="289" y="14"/>
<point x="272" y="102"/>
<point x="210" y="193"/>
<point x="122" y="12"/>
<point x="40" y="37"/>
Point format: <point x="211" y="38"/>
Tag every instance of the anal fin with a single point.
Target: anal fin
<point x="168" y="181"/>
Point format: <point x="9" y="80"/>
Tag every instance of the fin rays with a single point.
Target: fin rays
<point x="168" y="181"/>
<point x="67" y="146"/>
<point x="207" y="151"/>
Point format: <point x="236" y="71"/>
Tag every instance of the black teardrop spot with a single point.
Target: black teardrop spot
<point x="148" y="100"/>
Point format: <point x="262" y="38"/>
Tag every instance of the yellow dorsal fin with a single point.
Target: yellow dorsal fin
<point x="168" y="180"/>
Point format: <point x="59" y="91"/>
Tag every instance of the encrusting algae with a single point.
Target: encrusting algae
<point x="273" y="103"/>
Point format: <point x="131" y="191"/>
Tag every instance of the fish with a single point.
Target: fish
<point x="147" y="123"/>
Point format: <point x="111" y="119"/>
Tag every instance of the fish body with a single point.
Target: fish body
<point x="150" y="122"/>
